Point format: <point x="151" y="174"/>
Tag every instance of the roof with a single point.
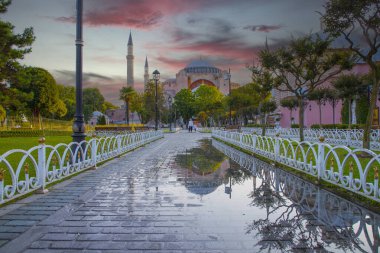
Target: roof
<point x="201" y="66"/>
<point x="130" y="43"/>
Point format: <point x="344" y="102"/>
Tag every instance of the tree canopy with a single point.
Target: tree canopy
<point x="358" y="22"/>
<point x="304" y="65"/>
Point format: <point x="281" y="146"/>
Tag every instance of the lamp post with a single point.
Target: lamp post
<point x="228" y="77"/>
<point x="78" y="124"/>
<point x="170" y="100"/>
<point x="156" y="77"/>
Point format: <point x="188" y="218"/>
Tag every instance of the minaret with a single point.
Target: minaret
<point x="146" y="72"/>
<point x="130" y="57"/>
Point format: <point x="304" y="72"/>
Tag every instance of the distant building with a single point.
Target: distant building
<point x="95" y="118"/>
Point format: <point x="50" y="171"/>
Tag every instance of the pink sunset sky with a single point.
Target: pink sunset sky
<point x="170" y="33"/>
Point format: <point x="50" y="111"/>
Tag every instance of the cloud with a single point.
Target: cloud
<point x="109" y="87"/>
<point x="143" y="14"/>
<point x="263" y="28"/>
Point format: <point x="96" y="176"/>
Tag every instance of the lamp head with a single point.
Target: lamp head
<point x="156" y="75"/>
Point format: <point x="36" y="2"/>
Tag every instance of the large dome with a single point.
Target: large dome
<point x="201" y="66"/>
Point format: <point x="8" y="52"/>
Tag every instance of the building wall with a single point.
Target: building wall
<point x="312" y="108"/>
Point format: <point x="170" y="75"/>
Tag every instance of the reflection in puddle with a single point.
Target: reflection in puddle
<point x="287" y="213"/>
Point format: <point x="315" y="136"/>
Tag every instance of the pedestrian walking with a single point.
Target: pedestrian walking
<point x="191" y="125"/>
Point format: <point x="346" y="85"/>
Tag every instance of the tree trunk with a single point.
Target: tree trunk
<point x="264" y="123"/>
<point x="320" y="114"/>
<point x="353" y="111"/>
<point x="349" y="113"/>
<point x="291" y="117"/>
<point x="127" y="111"/>
<point x="301" y="117"/>
<point x="368" y="123"/>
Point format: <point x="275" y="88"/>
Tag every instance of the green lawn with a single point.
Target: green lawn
<point x="25" y="143"/>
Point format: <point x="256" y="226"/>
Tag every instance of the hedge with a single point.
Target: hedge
<point x="337" y="126"/>
<point x="34" y="133"/>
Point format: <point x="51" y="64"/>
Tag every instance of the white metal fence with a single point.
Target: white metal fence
<point x="338" y="165"/>
<point x="23" y="171"/>
<point x="347" y="137"/>
<point x="354" y="225"/>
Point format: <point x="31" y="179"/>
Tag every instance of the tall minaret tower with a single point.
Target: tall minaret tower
<point x="146" y="72"/>
<point x="130" y="57"/>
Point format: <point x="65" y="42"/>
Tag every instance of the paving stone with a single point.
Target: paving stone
<point x="107" y="245"/>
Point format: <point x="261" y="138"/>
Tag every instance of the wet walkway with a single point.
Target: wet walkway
<point x="148" y="201"/>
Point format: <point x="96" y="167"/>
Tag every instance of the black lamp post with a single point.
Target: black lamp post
<point x="156" y="77"/>
<point x="170" y="100"/>
<point x="78" y="124"/>
<point x="228" y="77"/>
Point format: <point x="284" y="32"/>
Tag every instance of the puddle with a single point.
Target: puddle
<point x="251" y="204"/>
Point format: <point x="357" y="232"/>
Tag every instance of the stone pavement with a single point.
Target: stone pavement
<point x="133" y="203"/>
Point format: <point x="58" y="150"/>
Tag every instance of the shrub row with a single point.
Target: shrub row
<point x="337" y="126"/>
<point x="257" y="125"/>
<point x="34" y="133"/>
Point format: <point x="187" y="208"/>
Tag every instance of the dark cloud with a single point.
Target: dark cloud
<point x="263" y="28"/>
<point x="109" y="87"/>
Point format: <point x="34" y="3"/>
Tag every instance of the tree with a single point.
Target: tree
<point x="126" y="94"/>
<point x="332" y="97"/>
<point x="67" y="95"/>
<point x="3" y="115"/>
<point x="13" y="46"/>
<point x="303" y="66"/>
<point x="244" y="101"/>
<point x="267" y="108"/>
<point x="42" y="85"/>
<point x="93" y="100"/>
<point x="184" y="102"/>
<point x="149" y="100"/>
<point x="319" y="95"/>
<point x="262" y="84"/>
<point x="137" y="105"/>
<point x="290" y="103"/>
<point x="358" y="22"/>
<point x="349" y="88"/>
<point x="101" y="120"/>
<point x="209" y="100"/>
<point x="108" y="106"/>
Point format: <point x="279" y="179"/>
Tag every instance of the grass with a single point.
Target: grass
<point x="25" y="143"/>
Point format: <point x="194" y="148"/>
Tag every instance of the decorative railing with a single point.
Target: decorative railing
<point x="338" y="165"/>
<point x="346" y="137"/>
<point x="355" y="227"/>
<point x="24" y="171"/>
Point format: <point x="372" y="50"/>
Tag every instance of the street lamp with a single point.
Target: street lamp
<point x="78" y="124"/>
<point x="156" y="77"/>
<point x="228" y="77"/>
<point x="170" y="100"/>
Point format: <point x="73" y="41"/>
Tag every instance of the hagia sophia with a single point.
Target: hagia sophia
<point x="196" y="73"/>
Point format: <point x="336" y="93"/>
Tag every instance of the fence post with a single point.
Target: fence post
<point x="321" y="157"/>
<point x="277" y="147"/>
<point x="118" y="138"/>
<point x="376" y="184"/>
<point x="1" y="185"/>
<point x="42" y="166"/>
<point x="94" y="150"/>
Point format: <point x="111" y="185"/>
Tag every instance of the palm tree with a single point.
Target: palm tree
<point x="126" y="94"/>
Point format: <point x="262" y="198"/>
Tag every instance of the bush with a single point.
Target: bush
<point x="257" y="125"/>
<point x="337" y="126"/>
<point x="295" y="126"/>
<point x="33" y="133"/>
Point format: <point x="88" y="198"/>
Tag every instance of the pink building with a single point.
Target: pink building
<point x="312" y="108"/>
